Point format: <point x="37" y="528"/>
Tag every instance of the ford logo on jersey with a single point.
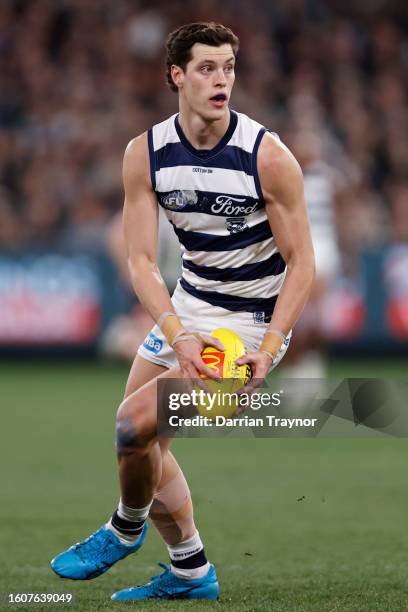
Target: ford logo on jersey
<point x="228" y="205"/>
<point x="153" y="343"/>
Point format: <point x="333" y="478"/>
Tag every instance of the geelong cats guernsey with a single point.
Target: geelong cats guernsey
<point x="213" y="200"/>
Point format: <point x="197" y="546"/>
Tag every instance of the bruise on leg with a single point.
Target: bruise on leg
<point x="126" y="435"/>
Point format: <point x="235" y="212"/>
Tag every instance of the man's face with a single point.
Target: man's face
<point x="207" y="81"/>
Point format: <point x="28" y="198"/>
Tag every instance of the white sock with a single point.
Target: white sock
<point x="184" y="550"/>
<point x="190" y="574"/>
<point x="135" y="515"/>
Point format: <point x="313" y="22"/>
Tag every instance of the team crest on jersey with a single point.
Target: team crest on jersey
<point x="236" y="224"/>
<point x="177" y="200"/>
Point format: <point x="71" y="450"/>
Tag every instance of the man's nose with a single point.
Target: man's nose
<point x="220" y="77"/>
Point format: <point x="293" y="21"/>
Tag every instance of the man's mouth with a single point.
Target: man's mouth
<point x="219" y="97"/>
<point x="218" y="100"/>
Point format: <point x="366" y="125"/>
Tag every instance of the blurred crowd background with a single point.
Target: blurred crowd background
<point x="80" y="78"/>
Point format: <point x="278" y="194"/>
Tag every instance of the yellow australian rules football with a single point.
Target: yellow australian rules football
<point x="221" y="399"/>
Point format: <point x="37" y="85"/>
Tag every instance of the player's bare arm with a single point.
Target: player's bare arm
<point x="282" y="186"/>
<point x="140" y="218"/>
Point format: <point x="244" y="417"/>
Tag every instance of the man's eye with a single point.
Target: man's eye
<point x="229" y="68"/>
<point x="205" y="69"/>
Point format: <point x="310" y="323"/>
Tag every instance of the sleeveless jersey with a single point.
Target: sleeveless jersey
<point x="213" y="199"/>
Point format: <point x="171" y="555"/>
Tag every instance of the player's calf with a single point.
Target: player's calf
<point x="125" y="532"/>
<point x="138" y="450"/>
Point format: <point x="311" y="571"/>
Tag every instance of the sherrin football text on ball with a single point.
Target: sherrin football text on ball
<point x="224" y="401"/>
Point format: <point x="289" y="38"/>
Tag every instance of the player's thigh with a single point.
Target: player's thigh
<point x="141" y="372"/>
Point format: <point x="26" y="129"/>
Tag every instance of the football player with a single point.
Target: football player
<point x="234" y="196"/>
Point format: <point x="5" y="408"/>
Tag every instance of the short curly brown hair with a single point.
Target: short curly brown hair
<point x="180" y="41"/>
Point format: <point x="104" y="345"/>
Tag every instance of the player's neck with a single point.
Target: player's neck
<point x="200" y="133"/>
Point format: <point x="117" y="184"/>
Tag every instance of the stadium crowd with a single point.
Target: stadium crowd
<point x="79" y="78"/>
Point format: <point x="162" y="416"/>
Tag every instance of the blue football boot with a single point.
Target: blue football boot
<point x="168" y="586"/>
<point x="95" y="555"/>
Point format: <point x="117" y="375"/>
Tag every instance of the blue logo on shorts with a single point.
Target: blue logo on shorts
<point x="153" y="343"/>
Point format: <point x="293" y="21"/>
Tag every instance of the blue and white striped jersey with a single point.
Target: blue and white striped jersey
<point x="213" y="199"/>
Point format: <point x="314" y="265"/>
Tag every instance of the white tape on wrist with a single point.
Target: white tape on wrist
<point x="164" y="316"/>
<point x="269" y="354"/>
<point x="276" y="332"/>
<point x="182" y="336"/>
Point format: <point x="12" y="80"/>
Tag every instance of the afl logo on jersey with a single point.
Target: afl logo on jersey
<point x="177" y="200"/>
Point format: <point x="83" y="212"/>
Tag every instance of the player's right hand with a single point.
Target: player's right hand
<point x="188" y="348"/>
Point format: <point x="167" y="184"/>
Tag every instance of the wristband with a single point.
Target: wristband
<point x="269" y="354"/>
<point x="170" y="325"/>
<point x="185" y="334"/>
<point x="272" y="341"/>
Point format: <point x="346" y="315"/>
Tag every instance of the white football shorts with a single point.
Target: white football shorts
<point x="200" y="316"/>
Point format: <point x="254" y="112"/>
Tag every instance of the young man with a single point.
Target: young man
<point x="234" y="195"/>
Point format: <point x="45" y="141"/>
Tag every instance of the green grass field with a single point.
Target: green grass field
<point x="342" y="547"/>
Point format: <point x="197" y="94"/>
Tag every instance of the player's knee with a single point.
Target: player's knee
<point x="134" y="432"/>
<point x="127" y="438"/>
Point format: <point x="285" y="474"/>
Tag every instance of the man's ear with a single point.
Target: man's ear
<point x="177" y="74"/>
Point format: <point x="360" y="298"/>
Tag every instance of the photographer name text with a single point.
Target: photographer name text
<point x="245" y="421"/>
